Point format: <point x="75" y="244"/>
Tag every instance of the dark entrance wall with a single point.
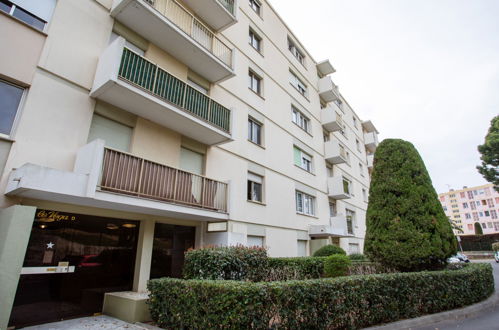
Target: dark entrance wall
<point x="71" y="261"/>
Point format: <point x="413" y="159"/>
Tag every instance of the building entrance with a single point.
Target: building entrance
<point x="71" y="261"/>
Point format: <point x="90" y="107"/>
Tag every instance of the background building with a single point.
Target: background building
<point x="467" y="206"/>
<point x="132" y="130"/>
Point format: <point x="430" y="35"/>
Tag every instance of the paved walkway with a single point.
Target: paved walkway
<point x="85" y="323"/>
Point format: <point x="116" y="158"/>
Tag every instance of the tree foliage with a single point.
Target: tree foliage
<point x="407" y="228"/>
<point x="489" y="168"/>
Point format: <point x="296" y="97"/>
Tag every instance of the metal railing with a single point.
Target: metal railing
<point x="228" y="4"/>
<point x="139" y="71"/>
<point x="130" y="175"/>
<point x="194" y="28"/>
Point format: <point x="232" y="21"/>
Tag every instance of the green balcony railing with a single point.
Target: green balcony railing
<point x="139" y="71"/>
<point x="228" y="4"/>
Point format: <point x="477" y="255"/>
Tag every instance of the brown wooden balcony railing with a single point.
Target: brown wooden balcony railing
<point x="126" y="174"/>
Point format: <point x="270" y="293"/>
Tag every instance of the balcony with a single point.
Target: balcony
<point x="368" y="126"/>
<point x="338" y="187"/>
<point x="328" y="91"/>
<point x="131" y="82"/>
<point x="111" y="179"/>
<point x="370" y="161"/>
<point x="337" y="228"/>
<point x="334" y="152"/>
<point x="218" y="14"/>
<point x="331" y="119"/>
<point x="170" y="26"/>
<point x="325" y="67"/>
<point x="371" y="141"/>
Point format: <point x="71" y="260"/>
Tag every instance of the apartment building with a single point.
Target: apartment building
<point x="468" y="206"/>
<point x="133" y="130"/>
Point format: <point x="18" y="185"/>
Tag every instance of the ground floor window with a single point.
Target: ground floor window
<point x="255" y="241"/>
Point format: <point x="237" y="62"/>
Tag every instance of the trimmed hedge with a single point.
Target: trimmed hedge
<point x="298" y="268"/>
<point x="340" y="303"/>
<point x="226" y="263"/>
<point x="357" y="257"/>
<point x="329" y="250"/>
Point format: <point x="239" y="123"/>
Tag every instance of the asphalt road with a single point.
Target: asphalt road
<point x="487" y="321"/>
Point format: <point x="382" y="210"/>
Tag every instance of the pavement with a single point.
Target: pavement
<point x="483" y="315"/>
<point x="101" y="322"/>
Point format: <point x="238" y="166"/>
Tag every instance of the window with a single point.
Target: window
<point x="490" y="202"/>
<point x="301" y="248"/>
<point x="255" y="184"/>
<point x="191" y="161"/>
<point x="497" y="200"/>
<point x="484" y="225"/>
<point x="302" y="159"/>
<point x="332" y="209"/>
<point x="305" y="203"/>
<point x="300" y="119"/>
<point x="350" y="215"/>
<point x="493" y="214"/>
<point x="470" y="226"/>
<point x="355" y="123"/>
<point x="297" y="53"/>
<point x="364" y="194"/>
<point x="254" y="131"/>
<point x="477" y="203"/>
<point x="465" y="205"/>
<point x="445" y="208"/>
<point x="115" y="134"/>
<point x="473" y="205"/>
<point x="475" y="216"/>
<point x="256" y="6"/>
<point x="470" y="194"/>
<point x="361" y="169"/>
<point x="347" y="186"/>
<point x="10" y="100"/>
<point x="254" y="40"/>
<point x="462" y="194"/>
<point x="326" y="136"/>
<point x="344" y="132"/>
<point x="489" y="224"/>
<point x="484" y="202"/>
<point x="255" y="82"/>
<point x="197" y="86"/>
<point x="481" y="214"/>
<point x="442" y="198"/>
<point x="34" y="13"/>
<point x="357" y="144"/>
<point x="487" y="213"/>
<point x="255" y="240"/>
<point x="128" y="44"/>
<point x="467" y="216"/>
<point x="297" y="83"/>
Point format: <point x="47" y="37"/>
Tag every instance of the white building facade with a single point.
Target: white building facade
<point x="133" y="130"/>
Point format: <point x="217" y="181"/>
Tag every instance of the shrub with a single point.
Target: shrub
<point x="357" y="257"/>
<point x="336" y="265"/>
<point x="329" y="250"/>
<point x="495" y="246"/>
<point x="299" y="268"/>
<point x="226" y="263"/>
<point x="368" y="268"/>
<point x="339" y="303"/>
<point x="407" y="228"/>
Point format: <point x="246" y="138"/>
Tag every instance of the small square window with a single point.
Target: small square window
<point x="255" y="187"/>
<point x="255" y="82"/>
<point x="254" y="131"/>
<point x="256" y="6"/>
<point x="305" y="204"/>
<point x="300" y="119"/>
<point x="255" y="41"/>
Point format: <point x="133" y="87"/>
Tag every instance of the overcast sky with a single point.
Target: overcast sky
<point x="426" y="71"/>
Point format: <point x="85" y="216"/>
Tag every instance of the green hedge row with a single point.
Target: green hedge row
<point x="341" y="303"/>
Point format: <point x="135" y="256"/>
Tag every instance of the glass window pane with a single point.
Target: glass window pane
<point x="5" y="6"/>
<point x="115" y="134"/>
<point x="29" y="18"/>
<point x="10" y="98"/>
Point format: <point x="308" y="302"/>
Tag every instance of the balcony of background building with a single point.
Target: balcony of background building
<point x="172" y="27"/>
<point x="328" y="91"/>
<point x="218" y="14"/>
<point x="369" y="127"/>
<point x="334" y="152"/>
<point x="331" y="119"/>
<point x="133" y="83"/>
<point x="337" y="227"/>
<point x="371" y="141"/>
<point x="324" y="68"/>
<point x="338" y="187"/>
<point x="111" y="179"/>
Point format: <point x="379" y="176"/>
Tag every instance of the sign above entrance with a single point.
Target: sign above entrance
<point x="53" y="216"/>
<point x="217" y="226"/>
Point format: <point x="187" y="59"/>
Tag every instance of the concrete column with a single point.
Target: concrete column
<point x="144" y="256"/>
<point x="15" y="228"/>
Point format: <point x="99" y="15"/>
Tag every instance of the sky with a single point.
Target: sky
<point x="426" y="71"/>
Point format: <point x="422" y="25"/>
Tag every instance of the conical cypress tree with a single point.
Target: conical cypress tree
<point x="407" y="228"/>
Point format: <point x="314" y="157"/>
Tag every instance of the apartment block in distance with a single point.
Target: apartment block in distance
<point x="133" y="130"/>
<point x="467" y="206"/>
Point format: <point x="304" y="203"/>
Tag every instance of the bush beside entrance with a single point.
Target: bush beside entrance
<point x="345" y="302"/>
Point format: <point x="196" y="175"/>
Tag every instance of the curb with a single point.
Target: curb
<point x="452" y="315"/>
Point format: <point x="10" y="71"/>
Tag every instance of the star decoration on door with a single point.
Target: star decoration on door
<point x="50" y="245"/>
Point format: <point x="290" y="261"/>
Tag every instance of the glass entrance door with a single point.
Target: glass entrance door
<point x="70" y="262"/>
